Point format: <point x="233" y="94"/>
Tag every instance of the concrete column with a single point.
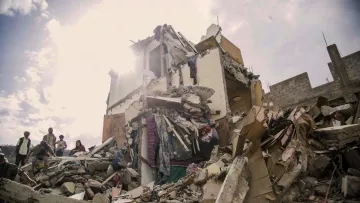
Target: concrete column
<point x="338" y="65"/>
<point x="113" y="86"/>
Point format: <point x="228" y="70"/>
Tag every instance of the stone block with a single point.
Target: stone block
<point x="97" y="166"/>
<point x="101" y="198"/>
<point x="132" y="172"/>
<point x="94" y="183"/>
<point x="68" y="188"/>
<point x="350" y="186"/>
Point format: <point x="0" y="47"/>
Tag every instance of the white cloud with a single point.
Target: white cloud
<point x="32" y="73"/>
<point x="20" y="79"/>
<point x="24" y="7"/>
<point x="78" y="56"/>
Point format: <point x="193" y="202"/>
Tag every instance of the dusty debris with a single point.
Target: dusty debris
<point x="350" y="186"/>
<point x="174" y="150"/>
<point x="234" y="182"/>
<point x="68" y="188"/>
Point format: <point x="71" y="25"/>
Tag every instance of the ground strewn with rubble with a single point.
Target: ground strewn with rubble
<point x="202" y="132"/>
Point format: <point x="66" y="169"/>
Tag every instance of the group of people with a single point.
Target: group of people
<point x="48" y="146"/>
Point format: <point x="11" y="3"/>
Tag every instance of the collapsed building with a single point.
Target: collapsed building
<point x="194" y="129"/>
<point x="212" y="69"/>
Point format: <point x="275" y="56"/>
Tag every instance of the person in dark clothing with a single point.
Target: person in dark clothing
<point x="41" y="153"/>
<point x="22" y="149"/>
<point x="10" y="171"/>
<point x="79" y="148"/>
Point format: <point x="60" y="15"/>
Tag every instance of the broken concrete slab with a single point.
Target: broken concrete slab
<point x="350" y="186"/>
<point x="252" y="127"/>
<point x="79" y="196"/>
<point x="98" y="148"/>
<point x="101" y="198"/>
<point x="139" y="191"/>
<point x="232" y="180"/>
<point x="94" y="184"/>
<point x="259" y="181"/>
<point x="210" y="191"/>
<point x="16" y="192"/>
<point x="68" y="188"/>
<point x="132" y="172"/>
<point x="89" y="191"/>
<point x="93" y="166"/>
<point x="338" y="136"/>
<point x="327" y="110"/>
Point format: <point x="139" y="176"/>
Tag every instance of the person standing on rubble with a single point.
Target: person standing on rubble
<point x="50" y="139"/>
<point x="41" y="153"/>
<point x="61" y="146"/>
<point x="22" y="149"/>
<point x="79" y="148"/>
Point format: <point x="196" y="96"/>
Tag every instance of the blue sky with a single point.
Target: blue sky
<point x="55" y="55"/>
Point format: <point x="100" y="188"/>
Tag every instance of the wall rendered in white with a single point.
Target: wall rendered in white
<point x="209" y="74"/>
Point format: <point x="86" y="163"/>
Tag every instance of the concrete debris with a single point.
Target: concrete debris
<point x="210" y="191"/>
<point x="299" y="155"/>
<point x="350" y="186"/>
<point x="132" y="172"/>
<point x="68" y="188"/>
<point x="79" y="196"/>
<point x="101" y="198"/>
<point x="235" y="186"/>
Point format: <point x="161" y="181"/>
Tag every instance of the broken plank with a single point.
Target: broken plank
<point x="108" y="179"/>
<point x="98" y="148"/>
<point x="176" y="134"/>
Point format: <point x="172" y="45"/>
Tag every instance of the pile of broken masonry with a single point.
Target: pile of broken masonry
<point x="299" y="155"/>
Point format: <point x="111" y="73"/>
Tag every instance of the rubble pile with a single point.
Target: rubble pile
<point x="273" y="156"/>
<point x="85" y="176"/>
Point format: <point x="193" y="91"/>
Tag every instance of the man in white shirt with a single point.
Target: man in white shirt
<point x="22" y="149"/>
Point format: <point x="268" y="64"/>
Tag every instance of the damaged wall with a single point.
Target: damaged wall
<point x="131" y="105"/>
<point x="227" y="45"/>
<point x="239" y="95"/>
<point x="209" y="74"/>
<point x="298" y="91"/>
<point x="352" y="63"/>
